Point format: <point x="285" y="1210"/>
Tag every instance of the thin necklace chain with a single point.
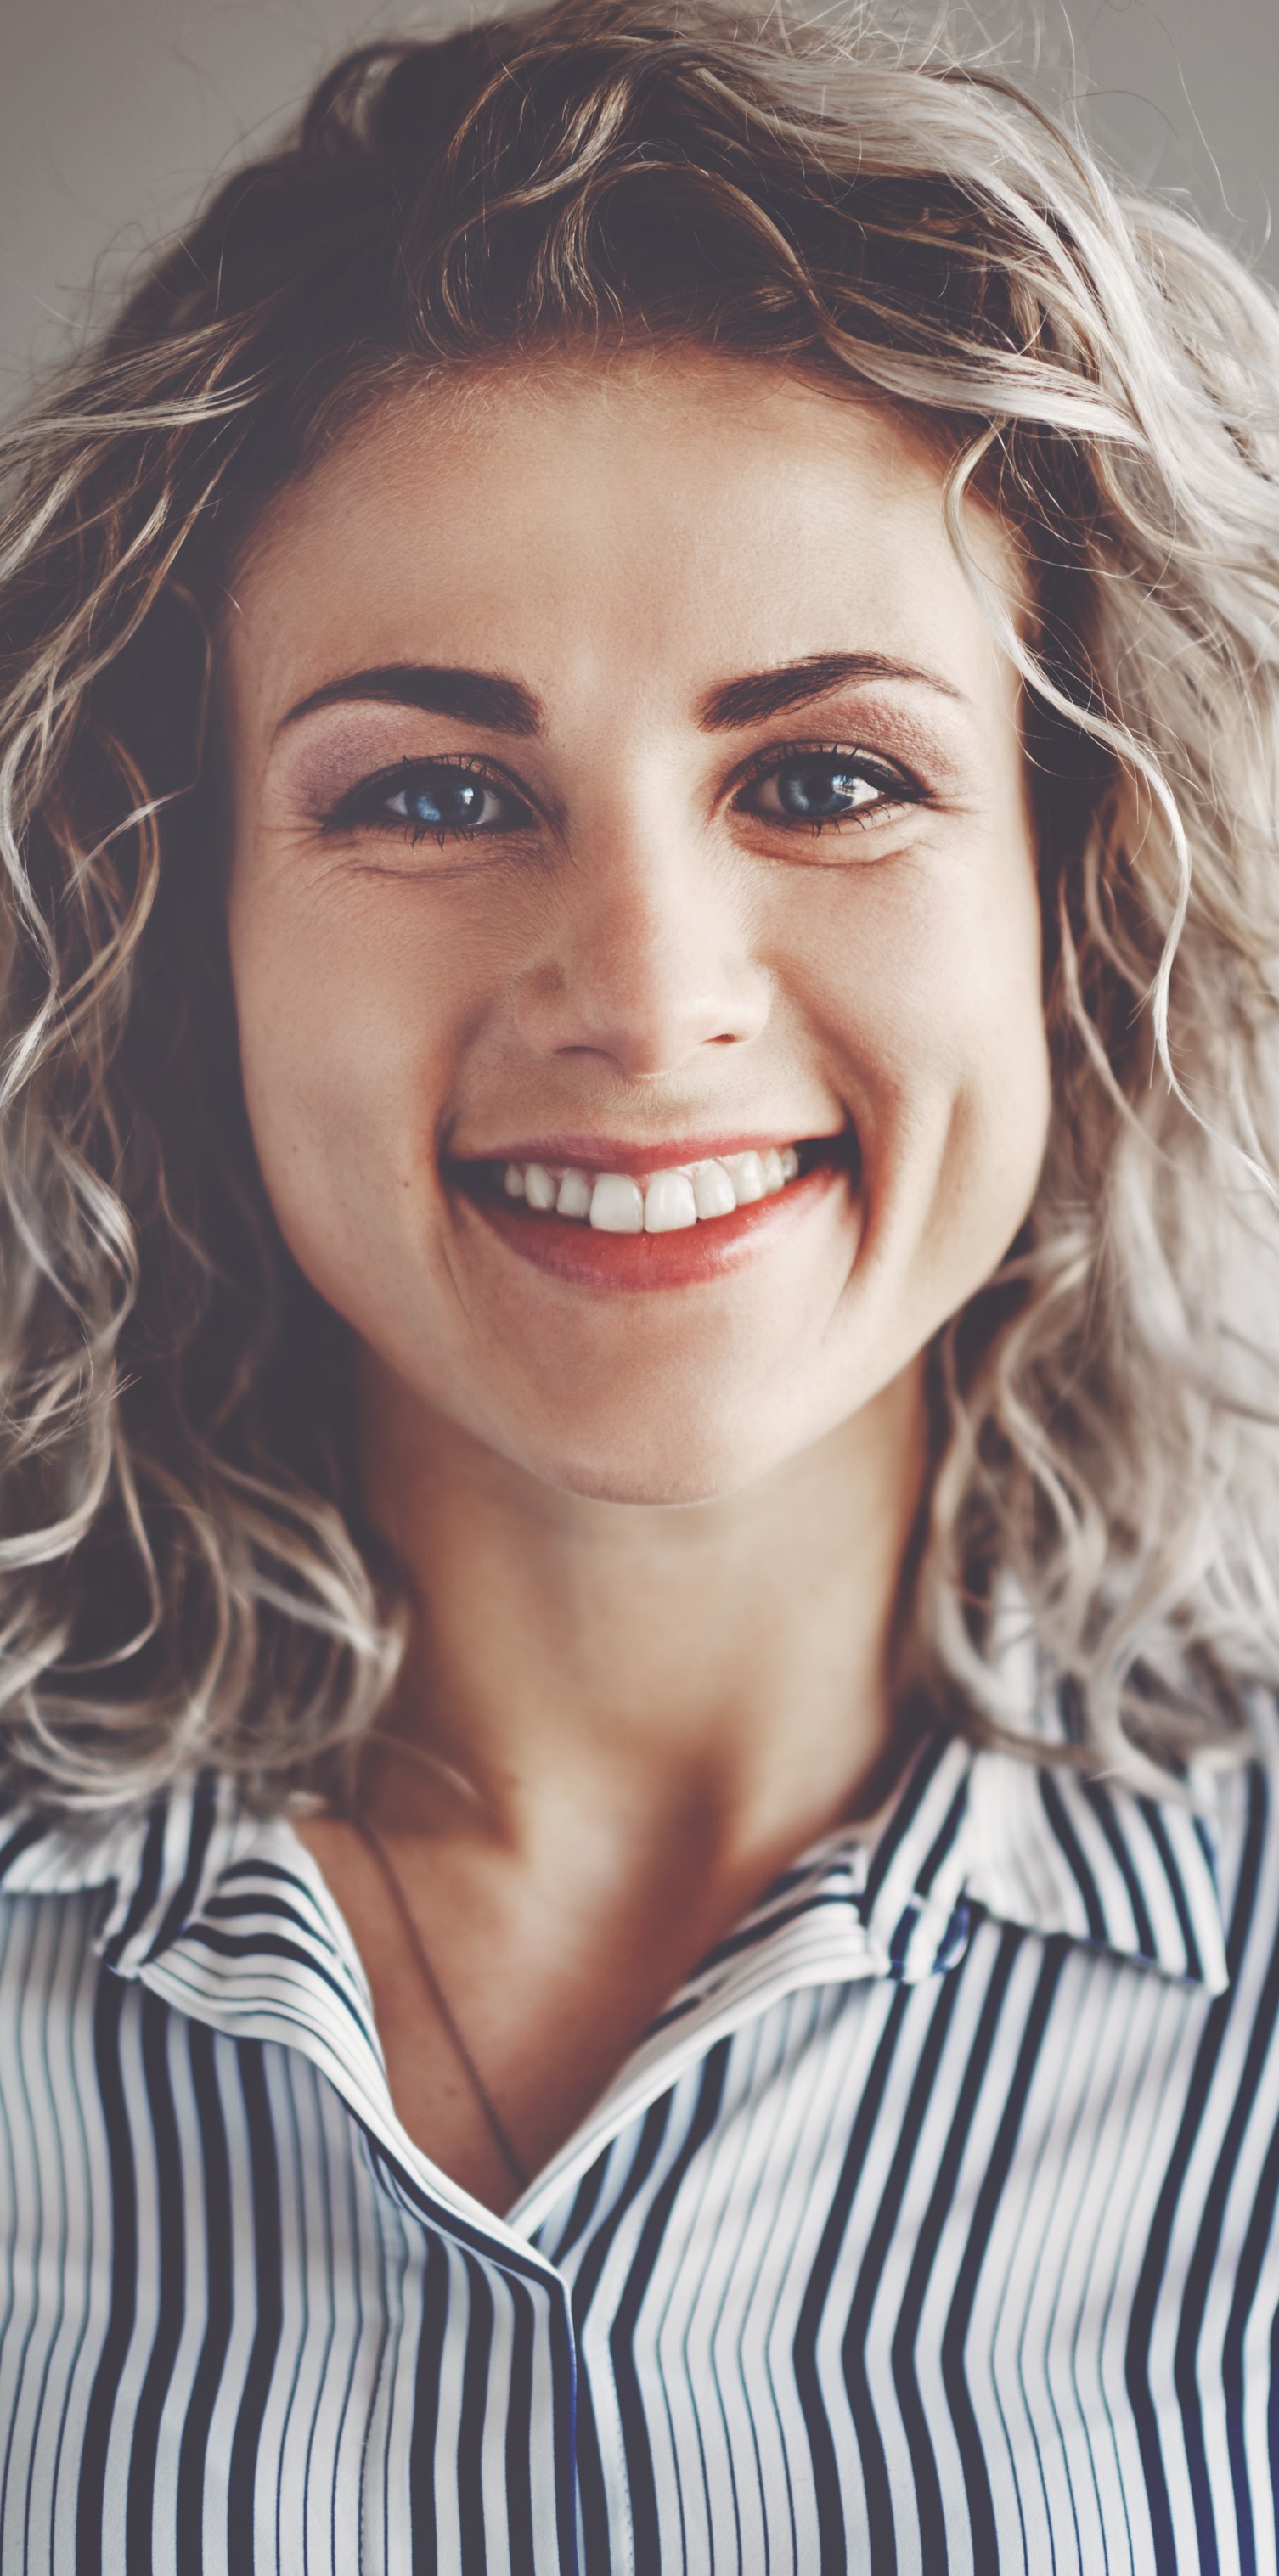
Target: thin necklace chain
<point x="394" y="1885"/>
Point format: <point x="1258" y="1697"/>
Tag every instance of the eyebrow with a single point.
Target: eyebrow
<point x="769" y="693"/>
<point x="475" y="697"/>
<point x="506" y="706"/>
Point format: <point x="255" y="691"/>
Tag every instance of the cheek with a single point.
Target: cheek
<point x="930" y="991"/>
<point x="344" y="1025"/>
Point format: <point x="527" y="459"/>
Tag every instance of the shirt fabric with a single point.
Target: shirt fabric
<point x="930" y="2229"/>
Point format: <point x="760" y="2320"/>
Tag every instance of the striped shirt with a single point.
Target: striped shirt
<point x="932" y="2228"/>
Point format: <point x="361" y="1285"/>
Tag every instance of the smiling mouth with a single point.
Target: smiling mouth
<point x="672" y="1199"/>
<point x="662" y="1202"/>
<point x="667" y="1226"/>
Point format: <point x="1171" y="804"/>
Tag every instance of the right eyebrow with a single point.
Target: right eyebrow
<point x="441" y="689"/>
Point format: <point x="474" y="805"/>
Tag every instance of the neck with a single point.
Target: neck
<point x="716" y="1673"/>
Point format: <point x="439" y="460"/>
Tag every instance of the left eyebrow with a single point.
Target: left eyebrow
<point x="491" y="698"/>
<point x="758" y="694"/>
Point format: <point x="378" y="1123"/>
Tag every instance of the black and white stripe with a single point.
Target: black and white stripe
<point x="932" y="2229"/>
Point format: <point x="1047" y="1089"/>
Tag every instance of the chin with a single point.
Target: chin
<point x="676" y="1460"/>
<point x="682" y="1481"/>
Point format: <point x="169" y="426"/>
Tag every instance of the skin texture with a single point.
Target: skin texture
<point x="654" y="1539"/>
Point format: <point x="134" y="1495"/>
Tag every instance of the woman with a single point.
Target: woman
<point x="640" y="1878"/>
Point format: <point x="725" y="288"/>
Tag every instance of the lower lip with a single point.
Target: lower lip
<point x="573" y="1250"/>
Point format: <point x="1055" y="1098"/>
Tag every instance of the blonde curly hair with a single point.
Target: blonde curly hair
<point x="183" y="1575"/>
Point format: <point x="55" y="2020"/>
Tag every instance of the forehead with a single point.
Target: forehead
<point x="675" y="506"/>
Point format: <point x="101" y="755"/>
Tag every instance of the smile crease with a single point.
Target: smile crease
<point x="663" y="1203"/>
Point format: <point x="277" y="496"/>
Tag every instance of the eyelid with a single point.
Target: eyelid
<point x="360" y="801"/>
<point x="911" y="789"/>
<point x="780" y="753"/>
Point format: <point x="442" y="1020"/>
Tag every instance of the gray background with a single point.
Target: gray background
<point x="114" y="113"/>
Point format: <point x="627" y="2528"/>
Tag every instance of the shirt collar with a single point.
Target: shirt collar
<point x="227" y="1917"/>
<point x="980" y="1830"/>
<point x="1032" y="1843"/>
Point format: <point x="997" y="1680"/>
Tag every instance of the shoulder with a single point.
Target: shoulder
<point x="137" y="1873"/>
<point x="1244" y="1839"/>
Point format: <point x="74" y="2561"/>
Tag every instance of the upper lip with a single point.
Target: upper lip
<point x="616" y="1154"/>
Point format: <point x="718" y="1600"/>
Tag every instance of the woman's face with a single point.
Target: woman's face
<point x="625" y="780"/>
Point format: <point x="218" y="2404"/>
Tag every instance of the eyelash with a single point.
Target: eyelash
<point x="362" y="803"/>
<point x="898" y="786"/>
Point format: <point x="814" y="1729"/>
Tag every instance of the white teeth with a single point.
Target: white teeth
<point x="539" y="1189"/>
<point x="669" y="1203"/>
<point x="713" y="1190"/>
<point x="575" y="1195"/>
<point x="746" y="1172"/>
<point x="665" y="1202"/>
<point x="617" y="1204"/>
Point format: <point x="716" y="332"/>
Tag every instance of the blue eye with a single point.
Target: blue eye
<point x="817" y="787"/>
<point x="432" y="800"/>
<point x="441" y="803"/>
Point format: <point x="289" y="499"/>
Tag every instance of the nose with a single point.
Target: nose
<point x="650" y="958"/>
